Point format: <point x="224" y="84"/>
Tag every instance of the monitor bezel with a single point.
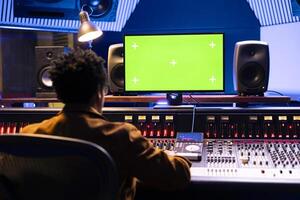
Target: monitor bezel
<point x="174" y="91"/>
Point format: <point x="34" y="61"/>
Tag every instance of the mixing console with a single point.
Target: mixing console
<point x="240" y="144"/>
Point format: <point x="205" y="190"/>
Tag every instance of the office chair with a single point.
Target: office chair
<point x="42" y="167"/>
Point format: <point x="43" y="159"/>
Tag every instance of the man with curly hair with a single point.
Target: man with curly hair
<point x="79" y="80"/>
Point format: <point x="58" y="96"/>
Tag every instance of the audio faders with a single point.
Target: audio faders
<point x="249" y="161"/>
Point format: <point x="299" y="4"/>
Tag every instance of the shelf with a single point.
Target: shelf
<point x="203" y="99"/>
<point x="192" y="99"/>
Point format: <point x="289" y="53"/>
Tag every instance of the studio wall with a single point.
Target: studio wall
<point x="284" y="44"/>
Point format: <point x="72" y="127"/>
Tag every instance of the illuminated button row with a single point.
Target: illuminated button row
<point x="151" y="132"/>
<point x="154" y="127"/>
<point x="143" y="118"/>
<point x="11" y="127"/>
<point x="252" y="128"/>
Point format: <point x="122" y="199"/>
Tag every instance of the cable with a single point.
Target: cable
<point x="191" y="97"/>
<point x="193" y="119"/>
<point x="275" y="92"/>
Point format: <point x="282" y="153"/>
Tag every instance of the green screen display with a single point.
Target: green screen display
<point x="169" y="63"/>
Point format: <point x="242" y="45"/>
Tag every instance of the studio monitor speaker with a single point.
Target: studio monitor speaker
<point x="99" y="10"/>
<point x="116" y="72"/>
<point x="251" y="67"/>
<point x="44" y="55"/>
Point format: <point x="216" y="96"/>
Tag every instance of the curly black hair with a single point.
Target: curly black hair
<point x="77" y="76"/>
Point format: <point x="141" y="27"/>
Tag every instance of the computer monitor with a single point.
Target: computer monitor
<point x="174" y="63"/>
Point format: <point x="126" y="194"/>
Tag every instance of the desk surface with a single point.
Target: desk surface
<point x="193" y="99"/>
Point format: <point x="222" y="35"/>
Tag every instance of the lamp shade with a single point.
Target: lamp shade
<point x="87" y="31"/>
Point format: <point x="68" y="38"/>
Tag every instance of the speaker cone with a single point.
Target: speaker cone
<point x="117" y="75"/>
<point x="44" y="77"/>
<point x="97" y="8"/>
<point x="252" y="75"/>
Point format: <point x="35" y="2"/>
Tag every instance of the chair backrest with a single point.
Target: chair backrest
<point x="52" y="167"/>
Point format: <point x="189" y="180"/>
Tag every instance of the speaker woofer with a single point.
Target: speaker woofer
<point x="117" y="75"/>
<point x="44" y="77"/>
<point x="97" y="8"/>
<point x="252" y="75"/>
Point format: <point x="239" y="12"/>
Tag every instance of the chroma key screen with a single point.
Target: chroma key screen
<point x="176" y="62"/>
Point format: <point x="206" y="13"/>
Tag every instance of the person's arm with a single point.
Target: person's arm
<point x="31" y="128"/>
<point x="154" y="167"/>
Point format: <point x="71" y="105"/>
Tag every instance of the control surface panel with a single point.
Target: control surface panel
<point x="249" y="161"/>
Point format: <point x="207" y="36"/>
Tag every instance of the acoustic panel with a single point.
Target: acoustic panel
<point x="274" y="12"/>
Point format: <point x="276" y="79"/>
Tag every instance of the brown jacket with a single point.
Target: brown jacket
<point x="135" y="156"/>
